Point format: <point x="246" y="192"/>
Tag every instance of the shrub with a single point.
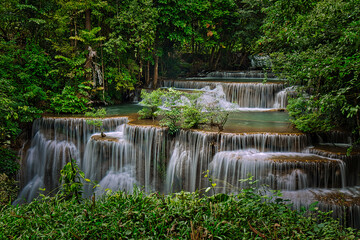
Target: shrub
<point x="181" y="110"/>
<point x="69" y="102"/>
<point x="98" y="116"/>
<point x="183" y="215"/>
<point x="151" y="102"/>
<point x="8" y="189"/>
<point x="8" y="163"/>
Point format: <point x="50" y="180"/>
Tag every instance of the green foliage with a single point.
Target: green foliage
<point x="8" y="162"/>
<point x="44" y="54"/>
<point x="70" y="180"/>
<point x="193" y="112"/>
<point x="8" y="189"/>
<point x="151" y="102"/>
<point x="70" y="68"/>
<point x="178" y="110"/>
<point x="69" y="102"/>
<point x="171" y="119"/>
<point x="98" y="116"/>
<point x="247" y="215"/>
<point x="121" y="80"/>
<point x="314" y="44"/>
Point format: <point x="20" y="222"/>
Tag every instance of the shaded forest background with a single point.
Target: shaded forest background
<point x="60" y="56"/>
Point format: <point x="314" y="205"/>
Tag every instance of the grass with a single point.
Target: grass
<point x="247" y="215"/>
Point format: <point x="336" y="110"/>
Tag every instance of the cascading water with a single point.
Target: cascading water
<point x="281" y="98"/>
<point x="284" y="171"/>
<point x="343" y="203"/>
<point x="237" y="75"/>
<point x="146" y="156"/>
<point x="55" y="141"/>
<point x="246" y="95"/>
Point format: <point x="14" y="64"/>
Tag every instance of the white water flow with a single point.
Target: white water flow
<point x="285" y="171"/>
<point x="55" y="141"/>
<point x="344" y="202"/>
<point x="247" y="95"/>
<point x="146" y="156"/>
<point x="281" y="98"/>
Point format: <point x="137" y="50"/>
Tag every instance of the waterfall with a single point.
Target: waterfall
<point x="281" y="98"/>
<point x="246" y="95"/>
<point x="285" y="171"/>
<point x="344" y="203"/>
<point x="194" y="153"/>
<point x="55" y="141"/>
<point x="237" y="75"/>
<point x="146" y="156"/>
<point x="264" y="142"/>
<point x="44" y="160"/>
<point x="189" y="159"/>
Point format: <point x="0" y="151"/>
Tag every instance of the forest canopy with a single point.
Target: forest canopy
<point x="63" y="56"/>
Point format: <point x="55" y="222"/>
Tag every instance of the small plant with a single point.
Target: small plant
<point x="151" y="102"/>
<point x="217" y="116"/>
<point x="72" y="181"/>
<point x="170" y="119"/>
<point x="212" y="183"/>
<point x="98" y="116"/>
<point x="181" y="110"/>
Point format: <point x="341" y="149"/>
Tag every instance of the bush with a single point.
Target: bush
<point x="69" y="102"/>
<point x="184" y="215"/>
<point x="8" y="189"/>
<point x="151" y="102"/>
<point x="181" y="110"/>
<point x="8" y="163"/>
<point x="98" y="116"/>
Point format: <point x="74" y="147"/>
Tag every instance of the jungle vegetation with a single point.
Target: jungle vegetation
<point x="66" y="56"/>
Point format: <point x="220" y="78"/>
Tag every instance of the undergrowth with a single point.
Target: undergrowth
<point x="249" y="214"/>
<point x="184" y="215"/>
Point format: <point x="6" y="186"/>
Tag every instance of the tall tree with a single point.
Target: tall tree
<point x="315" y="44"/>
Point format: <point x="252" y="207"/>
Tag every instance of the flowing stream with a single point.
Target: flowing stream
<point x="261" y="144"/>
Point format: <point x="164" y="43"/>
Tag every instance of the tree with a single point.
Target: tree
<point x="314" y="44"/>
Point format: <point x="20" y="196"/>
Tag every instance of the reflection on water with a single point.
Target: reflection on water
<point x="259" y="122"/>
<point x="123" y="109"/>
<point x="238" y="122"/>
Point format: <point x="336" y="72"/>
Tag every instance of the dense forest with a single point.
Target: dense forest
<point x="68" y="57"/>
<point x="60" y="56"/>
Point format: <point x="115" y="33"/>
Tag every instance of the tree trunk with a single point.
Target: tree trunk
<point x="243" y="58"/>
<point x="217" y="59"/>
<point x="88" y="19"/>
<point x="156" y="71"/>
<point x="140" y="70"/>
<point x="88" y="62"/>
<point x="103" y="72"/>
<point x="147" y="75"/>
<point x="212" y="57"/>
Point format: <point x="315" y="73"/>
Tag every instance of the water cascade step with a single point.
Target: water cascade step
<point x="246" y="95"/>
<point x="244" y="74"/>
<point x="344" y="202"/>
<point x="55" y="141"/>
<point x="304" y="167"/>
